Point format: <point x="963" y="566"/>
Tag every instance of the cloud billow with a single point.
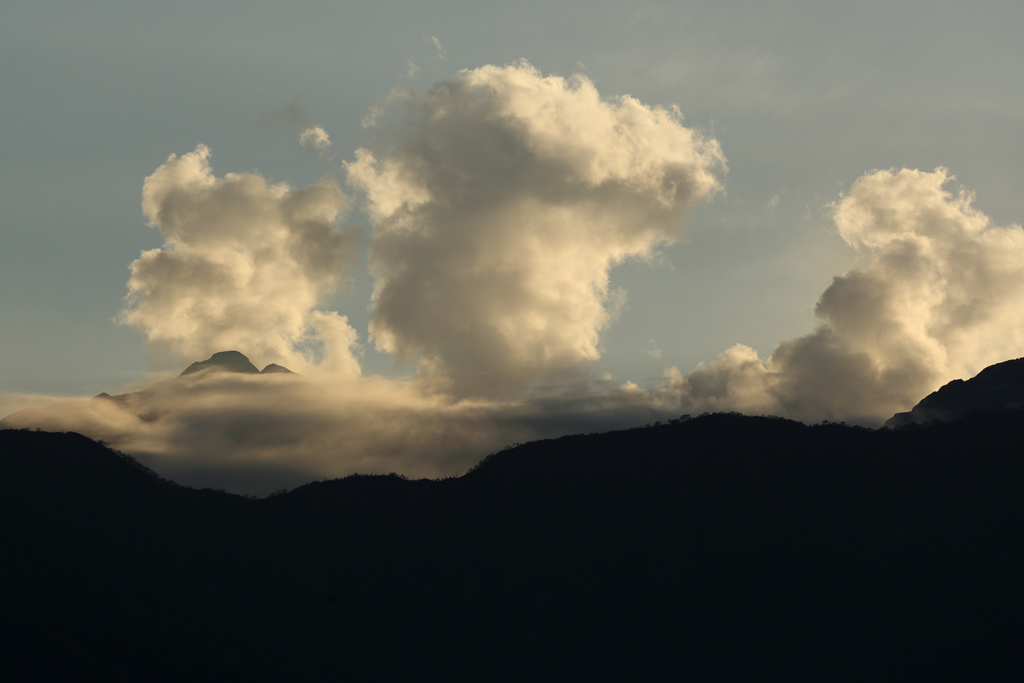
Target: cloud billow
<point x="244" y="265"/>
<point x="500" y="199"/>
<point x="315" y="140"/>
<point x="939" y="297"/>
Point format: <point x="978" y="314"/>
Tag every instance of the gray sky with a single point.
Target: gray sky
<point x="803" y="97"/>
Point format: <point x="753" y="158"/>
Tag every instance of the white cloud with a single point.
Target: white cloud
<point x="378" y="109"/>
<point x="652" y="349"/>
<point x="442" y="53"/>
<point x="500" y="200"/>
<point x="244" y="265"/>
<point x="315" y="140"/>
<point x="940" y="297"/>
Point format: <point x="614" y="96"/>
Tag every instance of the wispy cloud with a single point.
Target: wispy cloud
<point x="442" y="53"/>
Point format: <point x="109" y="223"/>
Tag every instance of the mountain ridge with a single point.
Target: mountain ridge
<point x="997" y="386"/>
<point x="719" y="547"/>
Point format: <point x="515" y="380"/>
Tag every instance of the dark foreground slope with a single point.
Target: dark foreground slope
<point x="720" y="548"/>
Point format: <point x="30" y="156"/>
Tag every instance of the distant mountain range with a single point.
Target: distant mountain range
<point x="716" y="548"/>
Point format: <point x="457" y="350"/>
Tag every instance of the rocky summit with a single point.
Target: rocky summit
<point x="226" y="361"/>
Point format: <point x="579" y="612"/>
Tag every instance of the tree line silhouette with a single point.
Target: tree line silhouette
<point x="718" y="547"/>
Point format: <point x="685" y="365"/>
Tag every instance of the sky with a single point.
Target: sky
<point x="466" y="225"/>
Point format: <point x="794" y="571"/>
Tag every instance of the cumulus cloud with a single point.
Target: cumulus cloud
<point x="315" y="140"/>
<point x="500" y="200"/>
<point x="312" y="137"/>
<point x="244" y="264"/>
<point x="941" y="296"/>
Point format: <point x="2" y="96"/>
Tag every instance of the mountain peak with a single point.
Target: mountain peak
<point x="275" y="368"/>
<point x="223" y="361"/>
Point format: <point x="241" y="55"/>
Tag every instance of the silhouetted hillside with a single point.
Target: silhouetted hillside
<point x="718" y="548"/>
<point x="997" y="386"/>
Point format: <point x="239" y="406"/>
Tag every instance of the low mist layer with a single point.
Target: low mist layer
<point x="256" y="433"/>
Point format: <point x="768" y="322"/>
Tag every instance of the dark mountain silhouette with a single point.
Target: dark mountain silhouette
<point x="717" y="548"/>
<point x="275" y="368"/>
<point x="997" y="386"/>
<point x="229" y="361"/>
<point x="232" y="361"/>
